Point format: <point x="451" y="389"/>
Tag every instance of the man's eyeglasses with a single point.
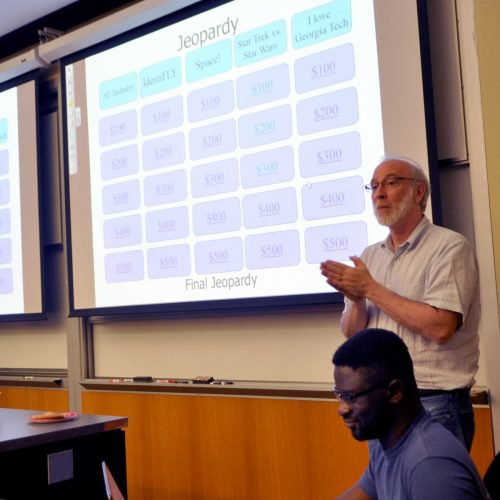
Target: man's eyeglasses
<point x="350" y="398"/>
<point x="390" y="183"/>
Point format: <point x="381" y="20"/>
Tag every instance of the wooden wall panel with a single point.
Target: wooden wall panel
<point x="205" y="447"/>
<point x="30" y="398"/>
<point x="483" y="449"/>
<point x="209" y="447"/>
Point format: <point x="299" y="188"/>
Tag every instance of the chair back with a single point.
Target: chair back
<point x="492" y="478"/>
<point x="112" y="490"/>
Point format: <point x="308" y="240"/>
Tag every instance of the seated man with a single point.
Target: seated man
<point x="415" y="457"/>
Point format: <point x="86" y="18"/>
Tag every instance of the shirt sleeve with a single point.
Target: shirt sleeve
<point x="444" y="478"/>
<point x="367" y="483"/>
<point x="452" y="277"/>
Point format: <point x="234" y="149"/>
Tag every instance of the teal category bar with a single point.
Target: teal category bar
<point x="261" y="43"/>
<point x="209" y="61"/>
<point x="321" y="23"/>
<point x="160" y="77"/>
<point x="4" y="131"/>
<point x="118" y="91"/>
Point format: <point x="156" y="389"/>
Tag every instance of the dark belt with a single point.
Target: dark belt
<point x="424" y="393"/>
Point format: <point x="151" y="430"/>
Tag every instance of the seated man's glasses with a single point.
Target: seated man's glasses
<point x="350" y="398"/>
<point x="390" y="183"/>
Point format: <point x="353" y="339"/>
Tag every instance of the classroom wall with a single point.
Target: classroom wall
<point x="484" y="152"/>
<point x="291" y="346"/>
<point x="40" y="344"/>
<point x="488" y="43"/>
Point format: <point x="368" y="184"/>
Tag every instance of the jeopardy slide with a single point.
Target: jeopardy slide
<point x="11" y="270"/>
<point x="224" y="156"/>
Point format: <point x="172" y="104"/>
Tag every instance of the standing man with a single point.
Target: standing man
<point x="414" y="457"/>
<point x="422" y="283"/>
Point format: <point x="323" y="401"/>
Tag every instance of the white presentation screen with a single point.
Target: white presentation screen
<point x="21" y="294"/>
<point x="217" y="160"/>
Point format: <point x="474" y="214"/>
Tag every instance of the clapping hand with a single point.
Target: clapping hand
<point x="353" y="282"/>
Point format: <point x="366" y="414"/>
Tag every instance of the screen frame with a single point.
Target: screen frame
<point x="228" y="306"/>
<point x="35" y="78"/>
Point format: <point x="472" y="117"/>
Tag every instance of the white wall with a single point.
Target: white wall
<point x="40" y="344"/>
<point x="292" y="346"/>
<point x="287" y="347"/>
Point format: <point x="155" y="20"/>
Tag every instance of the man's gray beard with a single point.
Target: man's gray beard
<point x="398" y="212"/>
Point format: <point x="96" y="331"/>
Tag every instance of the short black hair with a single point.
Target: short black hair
<point x="381" y="353"/>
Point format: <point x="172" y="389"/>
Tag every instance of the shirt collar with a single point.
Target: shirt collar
<point x="414" y="237"/>
<point x="394" y="450"/>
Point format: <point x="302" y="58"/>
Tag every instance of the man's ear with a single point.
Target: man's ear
<point x="396" y="391"/>
<point x="420" y="191"/>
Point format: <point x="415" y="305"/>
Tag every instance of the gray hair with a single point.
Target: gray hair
<point x="417" y="172"/>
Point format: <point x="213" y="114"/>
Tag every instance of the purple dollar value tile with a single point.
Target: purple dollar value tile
<point x="6" y="285"/>
<point x="5" y="221"/>
<point x="169" y="262"/>
<point x="328" y="155"/>
<point x="121" y="197"/>
<point x="165" y="188"/>
<point x="124" y="266"/>
<point x="215" y="178"/>
<point x="270" y="208"/>
<point x="219" y="256"/>
<point x="5" y="251"/>
<point x="162" y="115"/>
<point x="270" y="250"/>
<point x="169" y="224"/>
<point x="119" y="162"/>
<point x="218" y="216"/>
<point x="267" y="167"/>
<point x="4" y="192"/>
<point x="212" y="140"/>
<point x="324" y="68"/>
<point x="335" y="241"/>
<point x="328" y="111"/>
<point x="265" y="127"/>
<point x="212" y="101"/>
<point x="122" y="231"/>
<point x="4" y="161"/>
<point x="163" y="151"/>
<point x="263" y="86"/>
<point x="118" y="128"/>
<point x="322" y="200"/>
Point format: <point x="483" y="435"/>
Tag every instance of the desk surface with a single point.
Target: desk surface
<point x="16" y="432"/>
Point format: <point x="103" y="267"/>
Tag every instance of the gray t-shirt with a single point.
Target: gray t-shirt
<point x="428" y="463"/>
